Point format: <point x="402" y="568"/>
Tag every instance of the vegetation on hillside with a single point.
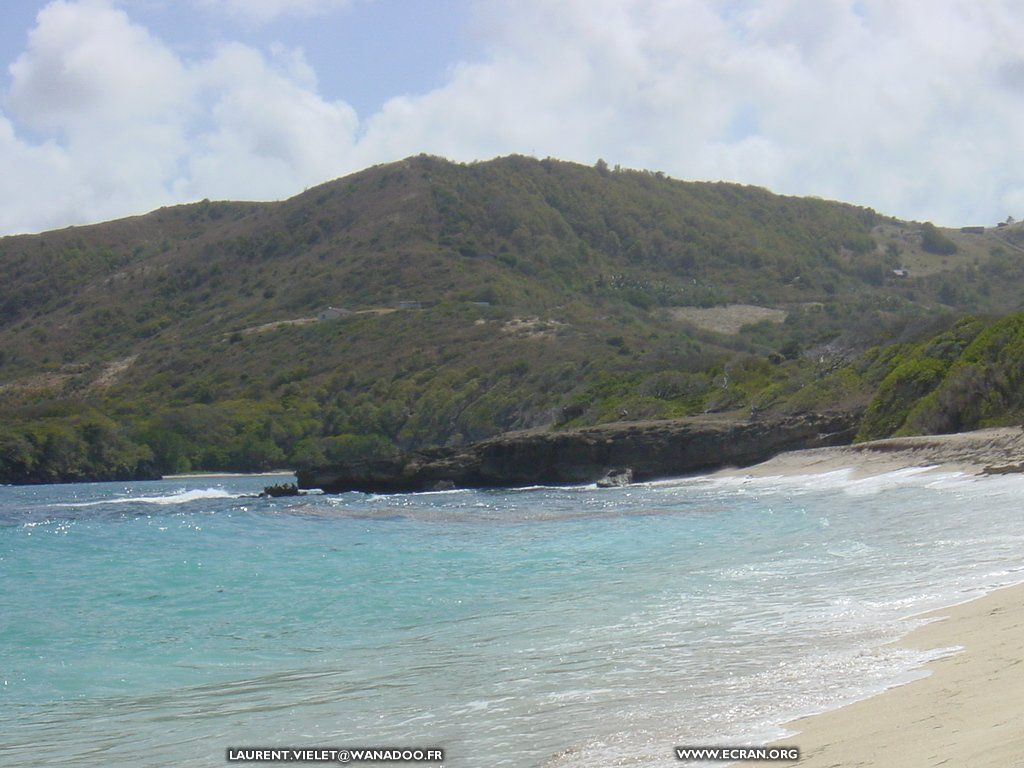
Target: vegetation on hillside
<point x="476" y="299"/>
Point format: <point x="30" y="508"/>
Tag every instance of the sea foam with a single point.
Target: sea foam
<point x="179" y="497"/>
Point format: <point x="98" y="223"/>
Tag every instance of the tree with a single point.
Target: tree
<point x="935" y="242"/>
<point x="948" y="293"/>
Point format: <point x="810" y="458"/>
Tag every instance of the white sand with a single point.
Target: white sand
<point x="973" y="452"/>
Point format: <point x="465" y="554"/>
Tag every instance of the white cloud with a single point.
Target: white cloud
<point x="893" y="104"/>
<point x="262" y="11"/>
<point x="87" y="64"/>
<point x="271" y="134"/>
<point x="911" y="108"/>
<point x="127" y="125"/>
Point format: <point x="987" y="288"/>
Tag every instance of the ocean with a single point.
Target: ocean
<point x="159" y="623"/>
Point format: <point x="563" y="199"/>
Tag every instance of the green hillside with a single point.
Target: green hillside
<point x="467" y="300"/>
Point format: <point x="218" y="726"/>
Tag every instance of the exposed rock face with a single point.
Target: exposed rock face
<point x="652" y="449"/>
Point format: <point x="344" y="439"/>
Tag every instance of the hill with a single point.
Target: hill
<point x="426" y="302"/>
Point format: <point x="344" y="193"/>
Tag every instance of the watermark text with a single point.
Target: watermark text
<point x="738" y="753"/>
<point x="332" y="755"/>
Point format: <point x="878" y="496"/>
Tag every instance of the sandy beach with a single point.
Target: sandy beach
<point x="998" y="450"/>
<point x="967" y="711"/>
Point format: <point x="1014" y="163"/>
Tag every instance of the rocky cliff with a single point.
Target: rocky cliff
<point x="650" y="450"/>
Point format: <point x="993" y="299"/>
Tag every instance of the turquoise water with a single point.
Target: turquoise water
<point x="159" y="623"/>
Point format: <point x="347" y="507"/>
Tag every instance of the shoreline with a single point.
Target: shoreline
<point x="964" y="712"/>
<point x="995" y="451"/>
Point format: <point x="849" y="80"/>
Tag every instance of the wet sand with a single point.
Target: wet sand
<point x="967" y="712"/>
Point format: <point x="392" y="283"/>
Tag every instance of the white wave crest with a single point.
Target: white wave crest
<point x="181" y="497"/>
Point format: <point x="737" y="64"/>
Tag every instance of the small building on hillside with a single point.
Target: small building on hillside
<point x="408" y="305"/>
<point x="901" y="272"/>
<point x="332" y="313"/>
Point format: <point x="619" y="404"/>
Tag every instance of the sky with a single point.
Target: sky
<point x="110" y="108"/>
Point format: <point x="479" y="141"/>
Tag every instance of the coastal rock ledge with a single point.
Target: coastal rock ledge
<point x="650" y="449"/>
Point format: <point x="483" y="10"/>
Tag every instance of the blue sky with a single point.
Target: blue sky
<point x="363" y="51"/>
<point x="114" y="107"/>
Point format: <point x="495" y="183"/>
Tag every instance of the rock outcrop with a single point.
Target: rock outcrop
<point x="279" y="490"/>
<point x="616" y="478"/>
<point x="651" y="450"/>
